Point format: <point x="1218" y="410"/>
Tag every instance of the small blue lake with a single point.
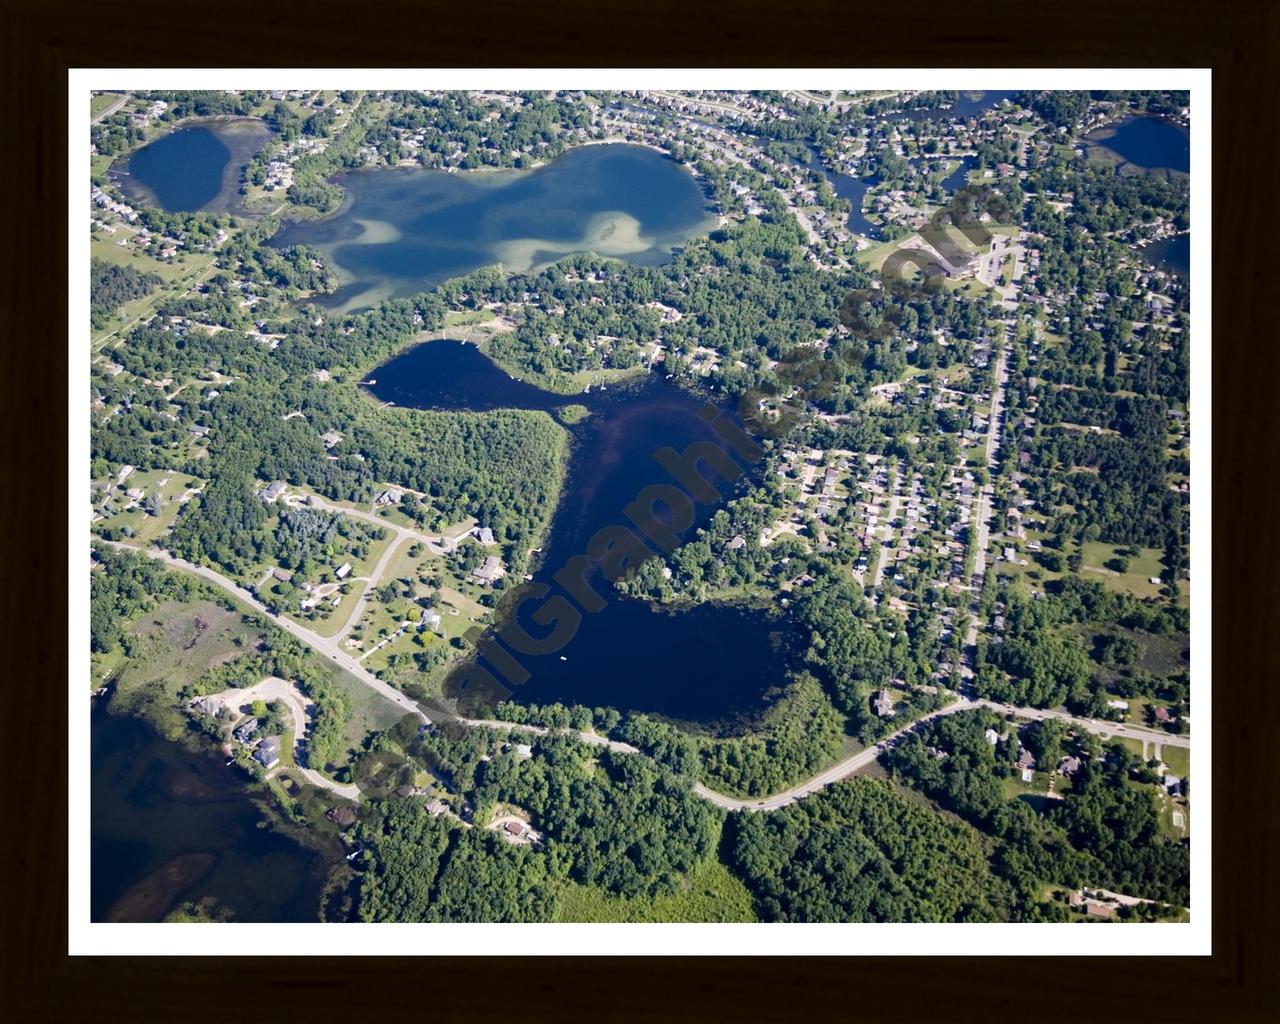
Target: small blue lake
<point x="193" y="168"/>
<point x="1151" y="143"/>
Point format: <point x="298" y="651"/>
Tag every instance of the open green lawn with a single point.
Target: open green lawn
<point x="403" y="565"/>
<point x="102" y="101"/>
<point x="466" y="317"/>
<point x="165" y="486"/>
<point x="874" y="256"/>
<point x="370" y="711"/>
<point x="1136" y="579"/>
<point x="178" y="276"/>
<point x="1178" y="759"/>
<point x="329" y="619"/>
<point x="1014" y="788"/>
<point x="709" y="893"/>
<point x="176" y="643"/>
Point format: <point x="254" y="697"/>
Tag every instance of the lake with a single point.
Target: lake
<point x="1151" y="143"/>
<point x="169" y="824"/>
<point x="970" y="103"/>
<point x="194" y="168"/>
<point x="401" y="231"/>
<point x="1172" y="254"/>
<point x="708" y="666"/>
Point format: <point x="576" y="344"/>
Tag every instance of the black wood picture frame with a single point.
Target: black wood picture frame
<point x="41" y="39"/>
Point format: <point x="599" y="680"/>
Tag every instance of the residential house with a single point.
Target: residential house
<point x="490" y="572"/>
<point x="272" y="491"/>
<point x="246" y="730"/>
<point x="883" y="704"/>
<point x="268" y="752"/>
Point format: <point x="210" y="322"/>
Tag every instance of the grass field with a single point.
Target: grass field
<point x="370" y="712"/>
<point x="710" y="893"/>
<point x="102" y="101"/>
<point x="1136" y="579"/>
<point x="178" y="276"/>
<point x="328" y="619"/>
<point x="466" y="317"/>
<point x="1178" y="759"/>
<point x="176" y="644"/>
<point x="166" y="486"/>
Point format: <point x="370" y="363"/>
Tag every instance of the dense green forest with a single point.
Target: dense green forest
<point x="1104" y="832"/>
<point x="111" y="286"/>
<point x="419" y="869"/>
<point x="799" y="733"/>
<point x="1042" y="659"/>
<point x="239" y="380"/>
<point x="859" y="851"/>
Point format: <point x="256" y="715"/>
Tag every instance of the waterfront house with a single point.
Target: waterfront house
<point x="268" y="752"/>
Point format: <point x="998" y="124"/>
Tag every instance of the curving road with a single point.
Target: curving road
<point x="850" y="765"/>
<point x="841" y="770"/>
<point x="111" y="109"/>
<point x="328" y="647"/>
<point x="273" y="688"/>
<point x="399" y="535"/>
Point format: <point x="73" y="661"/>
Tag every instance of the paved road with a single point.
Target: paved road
<point x="111" y="109"/>
<point x="274" y="688"/>
<point x="399" y="535"/>
<point x="593" y="738"/>
<point x="982" y="507"/>
<point x="890" y="515"/>
<point x="850" y="765"/>
<point x="327" y="647"/>
<point x="401" y="532"/>
<point x="840" y="770"/>
<point x="1098" y="726"/>
<point x="835" y="773"/>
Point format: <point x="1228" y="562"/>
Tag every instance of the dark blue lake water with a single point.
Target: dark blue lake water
<point x="403" y="230"/>
<point x="193" y="168"/>
<point x="1148" y="142"/>
<point x="1173" y="254"/>
<point x="959" y="176"/>
<point x="709" y="665"/>
<point x="846" y="186"/>
<point x="169" y="825"/>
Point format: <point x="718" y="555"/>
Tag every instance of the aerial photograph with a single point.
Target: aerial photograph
<point x="638" y="506"/>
